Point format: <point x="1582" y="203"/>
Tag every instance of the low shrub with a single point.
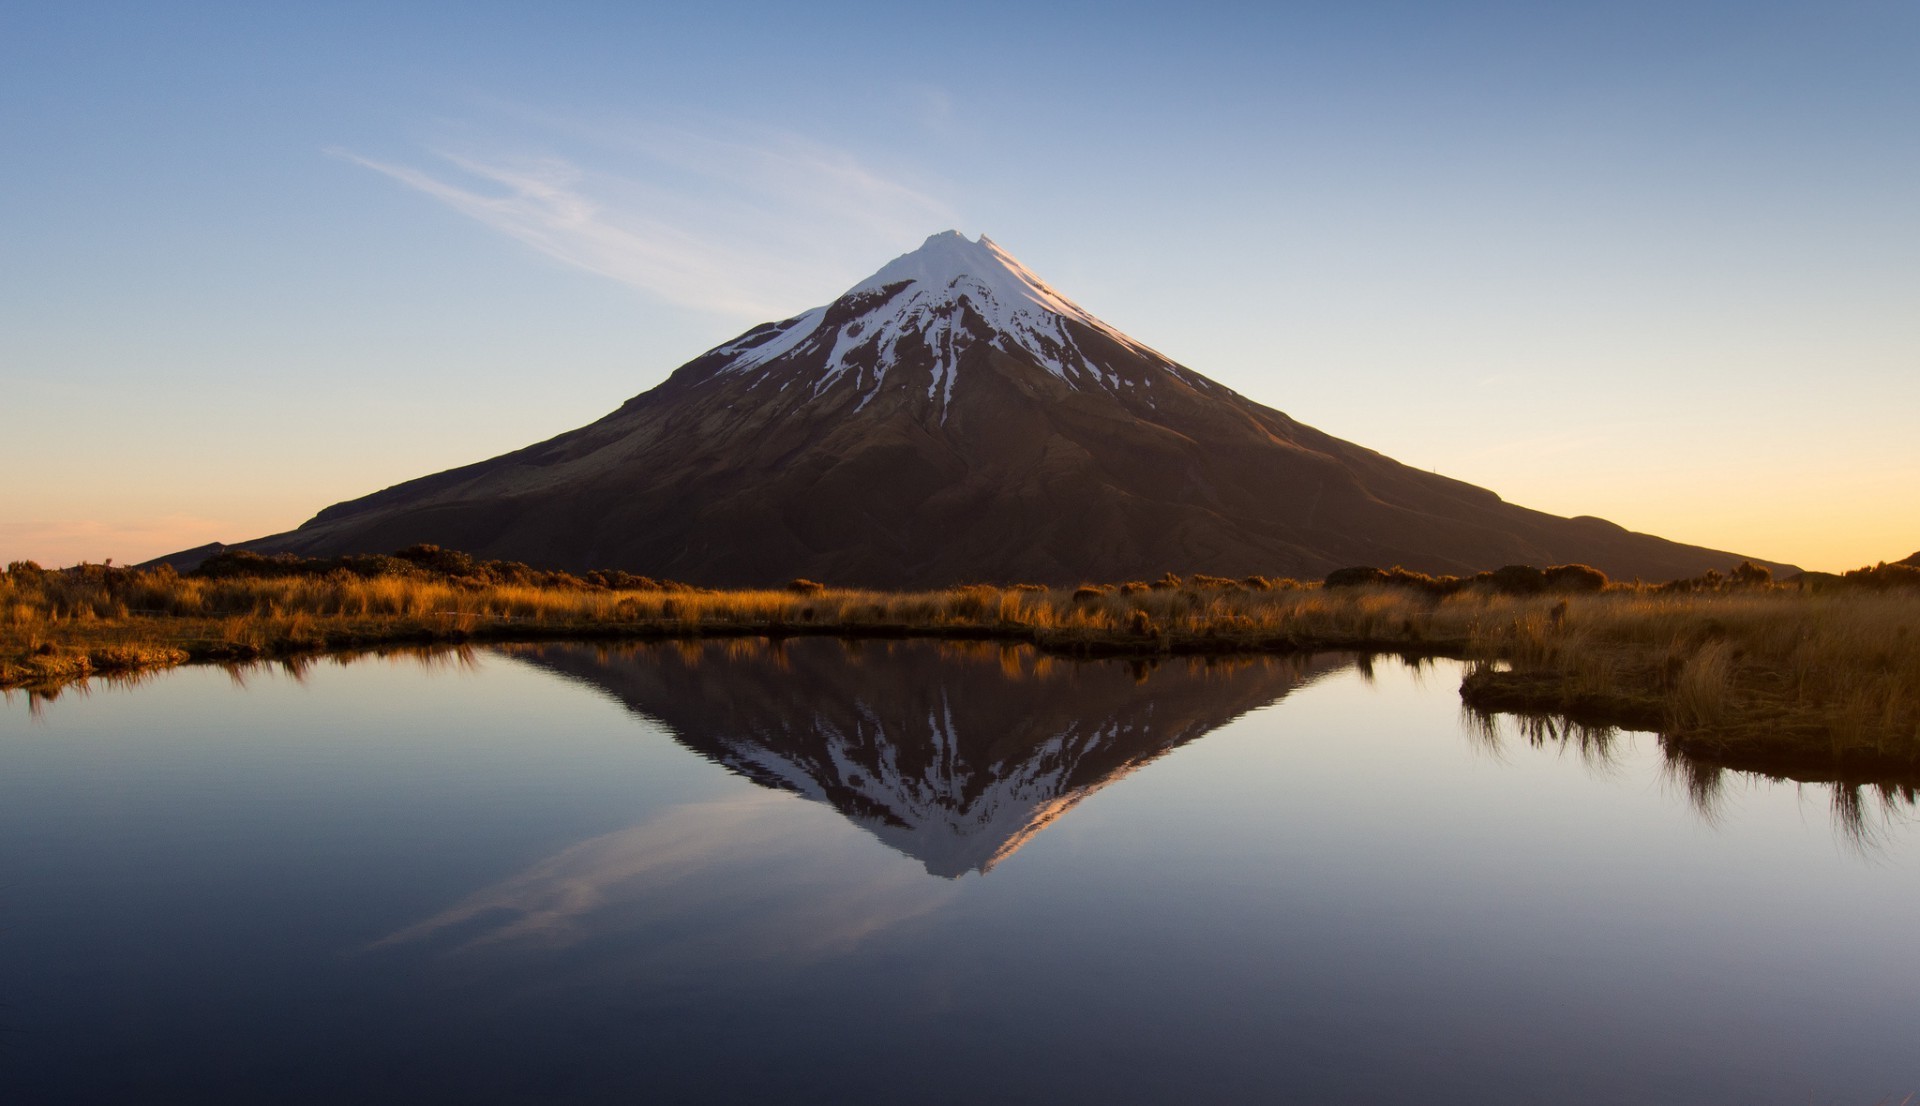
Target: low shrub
<point x="1516" y="580"/>
<point x="1884" y="576"/>
<point x="1357" y="576"/>
<point x="1579" y="578"/>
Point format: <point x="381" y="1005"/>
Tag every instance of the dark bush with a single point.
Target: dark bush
<point x="1884" y="576"/>
<point x="1397" y="577"/>
<point x="443" y="562"/>
<point x="245" y="563"/>
<point x="1577" y="578"/>
<point x="1358" y="576"/>
<point x="374" y="565"/>
<point x="616" y="580"/>
<point x="25" y="571"/>
<point x="1518" y="580"/>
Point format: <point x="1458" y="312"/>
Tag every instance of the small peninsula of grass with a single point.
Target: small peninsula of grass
<point x="1734" y="665"/>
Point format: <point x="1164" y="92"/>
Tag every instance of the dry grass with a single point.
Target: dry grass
<point x="1832" y="671"/>
<point x="1837" y="671"/>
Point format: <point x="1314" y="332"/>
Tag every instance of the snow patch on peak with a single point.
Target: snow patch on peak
<point x="948" y="262"/>
<point x="754" y="348"/>
<point x="918" y="295"/>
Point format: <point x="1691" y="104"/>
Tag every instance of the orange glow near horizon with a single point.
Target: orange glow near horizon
<point x="1842" y="532"/>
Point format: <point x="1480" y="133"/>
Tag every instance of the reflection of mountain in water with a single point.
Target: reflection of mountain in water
<point x="953" y="754"/>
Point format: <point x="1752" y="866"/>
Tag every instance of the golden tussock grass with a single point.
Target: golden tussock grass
<point x="1837" y="671"/>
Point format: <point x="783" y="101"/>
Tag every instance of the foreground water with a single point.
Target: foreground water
<point x="913" y="873"/>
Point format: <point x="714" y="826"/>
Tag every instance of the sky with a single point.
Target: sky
<point x="1654" y="262"/>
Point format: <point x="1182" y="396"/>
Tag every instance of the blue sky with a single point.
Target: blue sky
<point x="1654" y="262"/>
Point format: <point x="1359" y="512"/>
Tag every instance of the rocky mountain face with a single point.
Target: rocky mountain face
<point x="955" y="754"/>
<point x="953" y="419"/>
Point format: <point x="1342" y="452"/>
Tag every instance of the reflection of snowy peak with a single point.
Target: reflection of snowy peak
<point x="935" y="750"/>
<point x="954" y="815"/>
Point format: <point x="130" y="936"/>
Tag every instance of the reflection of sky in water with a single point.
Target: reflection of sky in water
<point x="489" y="883"/>
<point x="751" y="864"/>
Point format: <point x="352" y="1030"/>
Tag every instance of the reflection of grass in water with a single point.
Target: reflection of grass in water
<point x="1865" y="819"/>
<point x="39" y="696"/>
<point x="1704" y="784"/>
<point x="241" y="674"/>
<point x="1835" y="674"/>
<point x="1597" y="746"/>
<point x="1861" y="808"/>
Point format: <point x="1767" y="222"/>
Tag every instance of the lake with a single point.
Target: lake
<point x="913" y="872"/>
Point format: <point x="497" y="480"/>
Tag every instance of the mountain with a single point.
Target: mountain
<point x="954" y="754"/>
<point x="949" y="419"/>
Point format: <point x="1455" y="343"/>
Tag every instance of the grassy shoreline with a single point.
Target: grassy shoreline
<point x="1747" y="669"/>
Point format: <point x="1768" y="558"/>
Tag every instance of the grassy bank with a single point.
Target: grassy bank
<point x="1730" y="664"/>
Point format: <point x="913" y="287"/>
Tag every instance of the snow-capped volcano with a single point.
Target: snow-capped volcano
<point x="946" y="297"/>
<point x="953" y="418"/>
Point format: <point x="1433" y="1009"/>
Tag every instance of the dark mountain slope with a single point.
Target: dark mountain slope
<point x="954" y="419"/>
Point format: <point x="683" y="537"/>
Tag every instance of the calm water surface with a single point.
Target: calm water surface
<point x="914" y="873"/>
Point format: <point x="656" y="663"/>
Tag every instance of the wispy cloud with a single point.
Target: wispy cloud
<point x="725" y="218"/>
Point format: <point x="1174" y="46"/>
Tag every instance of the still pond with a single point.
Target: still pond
<point x="913" y="872"/>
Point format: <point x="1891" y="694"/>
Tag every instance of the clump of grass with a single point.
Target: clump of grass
<point x="1703" y="686"/>
<point x="1828" y="672"/>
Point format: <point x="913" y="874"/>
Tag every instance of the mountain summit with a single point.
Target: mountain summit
<point x="953" y="418"/>
<point x="947" y="296"/>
